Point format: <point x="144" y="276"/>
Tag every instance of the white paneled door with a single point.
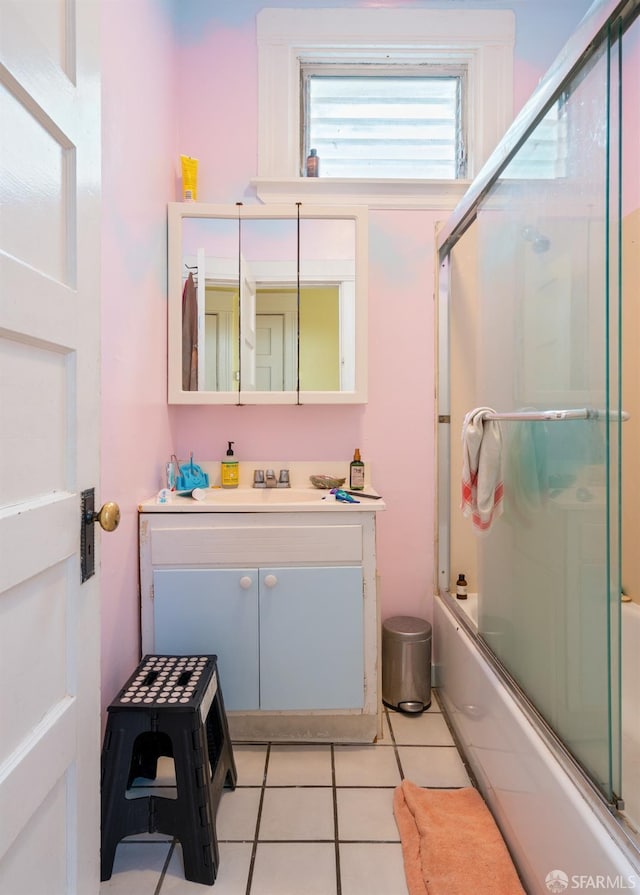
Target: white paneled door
<point x="49" y="439"/>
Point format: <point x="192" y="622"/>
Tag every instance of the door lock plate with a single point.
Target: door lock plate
<point x="87" y="534"/>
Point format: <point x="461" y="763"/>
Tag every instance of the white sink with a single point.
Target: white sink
<point x="257" y="500"/>
<point x="264" y="495"/>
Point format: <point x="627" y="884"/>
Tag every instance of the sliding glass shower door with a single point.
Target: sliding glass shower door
<point x="545" y="245"/>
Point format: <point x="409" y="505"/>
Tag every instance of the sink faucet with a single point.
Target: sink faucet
<point x="283" y="481"/>
<point x="271" y="479"/>
<point x="258" y="478"/>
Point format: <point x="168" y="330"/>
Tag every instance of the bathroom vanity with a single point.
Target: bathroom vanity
<point x="281" y="586"/>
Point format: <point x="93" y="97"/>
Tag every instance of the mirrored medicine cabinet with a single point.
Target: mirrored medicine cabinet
<point x="267" y="304"/>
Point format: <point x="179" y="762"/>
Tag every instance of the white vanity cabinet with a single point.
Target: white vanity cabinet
<point x="286" y="600"/>
<point x="272" y="629"/>
<point x="212" y="611"/>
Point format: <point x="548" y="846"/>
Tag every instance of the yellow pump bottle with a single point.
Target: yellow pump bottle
<point x="229" y="472"/>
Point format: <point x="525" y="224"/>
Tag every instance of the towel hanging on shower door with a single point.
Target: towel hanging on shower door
<point x="482" y="481"/>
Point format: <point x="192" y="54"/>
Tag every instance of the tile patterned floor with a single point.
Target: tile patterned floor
<point x="305" y="819"/>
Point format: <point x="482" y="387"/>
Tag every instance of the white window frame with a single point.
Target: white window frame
<point x="483" y="40"/>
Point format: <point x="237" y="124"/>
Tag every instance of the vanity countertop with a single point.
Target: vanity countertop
<point x="261" y="500"/>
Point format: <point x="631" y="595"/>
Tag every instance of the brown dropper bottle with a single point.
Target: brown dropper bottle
<point x="313" y="164"/>
<point x="356" y="472"/>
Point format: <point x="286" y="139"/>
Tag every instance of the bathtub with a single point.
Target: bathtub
<point x="549" y="819"/>
<point x="631" y="712"/>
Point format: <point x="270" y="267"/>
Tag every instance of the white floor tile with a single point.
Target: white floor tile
<point x="299" y="766"/>
<point x="372" y="869"/>
<point x="420" y="730"/>
<point x="237" y="814"/>
<point x="387" y="714"/>
<point x="297" y="813"/>
<point x="233" y="873"/>
<point x="250" y="763"/>
<point x="164" y="783"/>
<point x="292" y="856"/>
<point x="136" y="868"/>
<point x="366" y="766"/>
<point x="365" y="814"/>
<point x="299" y="868"/>
<point x="433" y="766"/>
<point x="165" y="774"/>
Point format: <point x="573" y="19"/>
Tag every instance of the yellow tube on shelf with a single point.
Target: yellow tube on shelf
<point x="189" y="178"/>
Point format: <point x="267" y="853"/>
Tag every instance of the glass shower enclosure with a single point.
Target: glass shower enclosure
<point x="531" y="315"/>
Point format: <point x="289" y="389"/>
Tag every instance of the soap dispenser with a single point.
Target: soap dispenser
<point x="229" y="469"/>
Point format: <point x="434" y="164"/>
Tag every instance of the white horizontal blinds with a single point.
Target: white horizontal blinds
<point x="544" y="155"/>
<point x="385" y="126"/>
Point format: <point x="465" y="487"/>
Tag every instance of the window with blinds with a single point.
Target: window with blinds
<point x="376" y="123"/>
<point x="544" y="155"/>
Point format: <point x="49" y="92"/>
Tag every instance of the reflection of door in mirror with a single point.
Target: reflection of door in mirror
<point x="269" y="338"/>
<point x="221" y="338"/>
<point x="247" y="330"/>
<point x="277" y="339"/>
<point x="276" y="333"/>
<point x="270" y="352"/>
<point x="210" y="249"/>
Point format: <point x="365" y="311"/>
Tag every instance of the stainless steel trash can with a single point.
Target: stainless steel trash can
<point x="406" y="663"/>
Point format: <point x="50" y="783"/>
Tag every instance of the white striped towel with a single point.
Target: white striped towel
<point x="482" y="482"/>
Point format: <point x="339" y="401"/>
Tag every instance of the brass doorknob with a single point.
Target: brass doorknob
<point x="108" y="516"/>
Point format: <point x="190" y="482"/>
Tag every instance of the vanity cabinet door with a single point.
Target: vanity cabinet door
<point x="311" y="638"/>
<point x="212" y="611"/>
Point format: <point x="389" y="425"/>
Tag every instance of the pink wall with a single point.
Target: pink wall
<point x="190" y="86"/>
<point x="137" y="181"/>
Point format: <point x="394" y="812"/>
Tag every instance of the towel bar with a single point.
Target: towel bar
<point x="583" y="413"/>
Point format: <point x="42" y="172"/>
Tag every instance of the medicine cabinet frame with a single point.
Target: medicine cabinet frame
<point x="353" y="328"/>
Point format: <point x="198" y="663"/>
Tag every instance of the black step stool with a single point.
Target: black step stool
<point x="170" y="706"/>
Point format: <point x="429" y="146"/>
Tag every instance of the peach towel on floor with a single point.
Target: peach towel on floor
<point x="451" y="844"/>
